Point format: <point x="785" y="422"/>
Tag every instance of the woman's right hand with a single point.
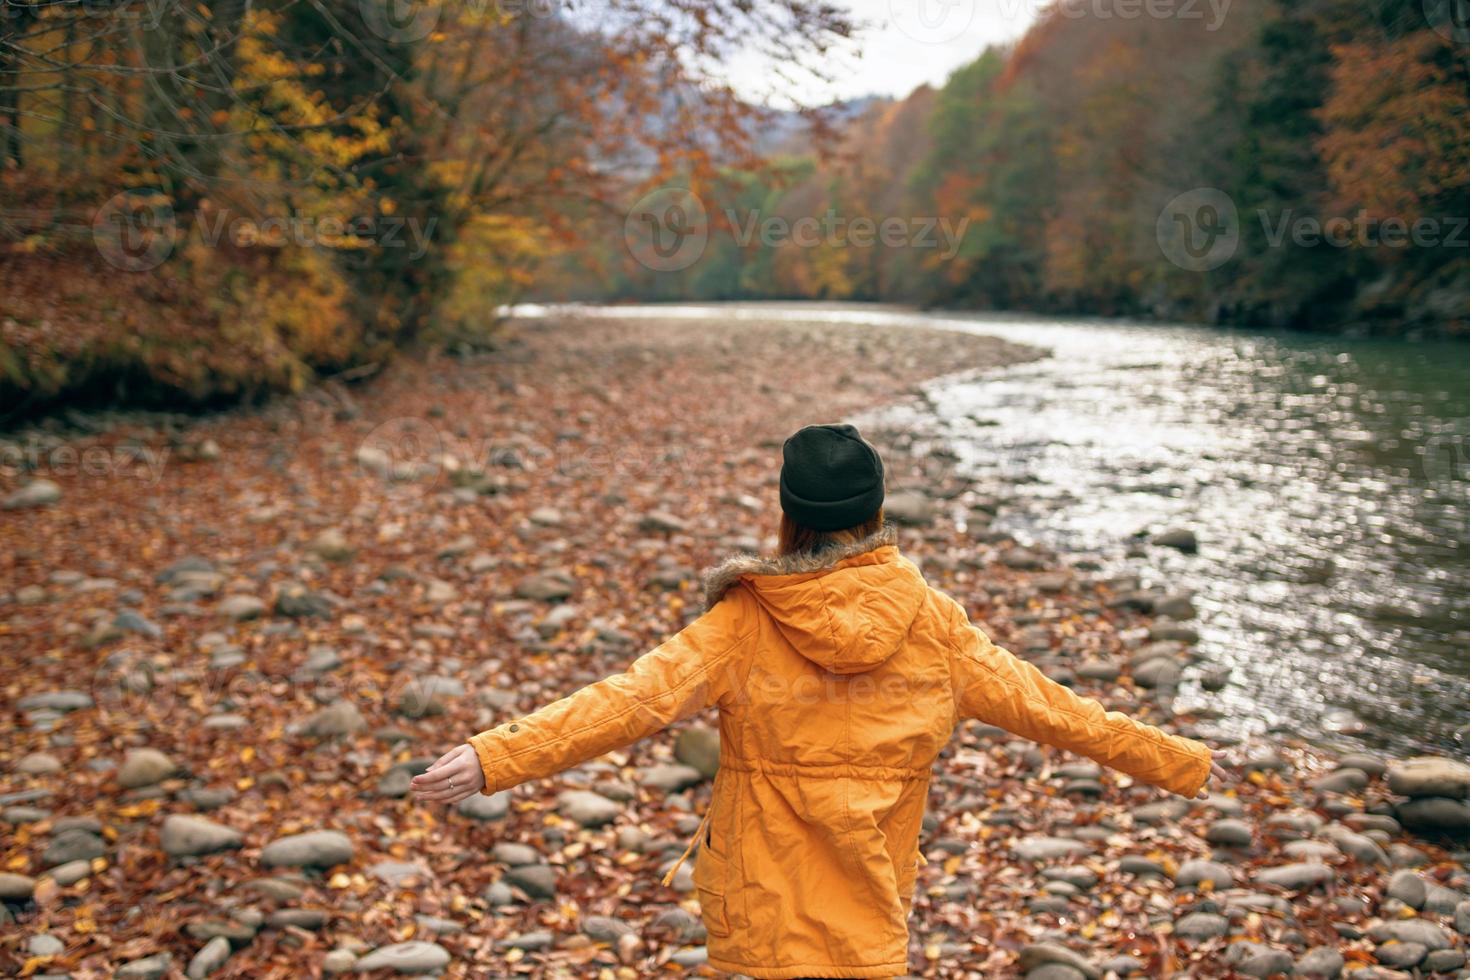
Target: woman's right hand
<point x="1217" y="772"/>
<point x="456" y="775"/>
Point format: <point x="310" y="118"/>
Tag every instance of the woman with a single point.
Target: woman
<point x="839" y="675"/>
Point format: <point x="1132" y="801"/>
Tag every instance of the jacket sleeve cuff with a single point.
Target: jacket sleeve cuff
<point x="1197" y="775"/>
<point x="486" y="750"/>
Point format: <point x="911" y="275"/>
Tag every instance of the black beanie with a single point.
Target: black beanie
<point x="830" y="478"/>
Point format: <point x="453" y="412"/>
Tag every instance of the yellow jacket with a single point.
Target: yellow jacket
<point x="838" y="680"/>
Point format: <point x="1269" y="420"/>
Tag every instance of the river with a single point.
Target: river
<point x="1327" y="480"/>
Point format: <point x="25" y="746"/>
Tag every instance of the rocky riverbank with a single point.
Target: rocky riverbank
<point x="228" y="644"/>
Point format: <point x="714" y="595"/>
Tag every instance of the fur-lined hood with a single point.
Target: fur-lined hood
<point x="719" y="578"/>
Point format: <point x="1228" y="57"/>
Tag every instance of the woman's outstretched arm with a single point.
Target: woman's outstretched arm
<point x="995" y="686"/>
<point x="683" y="675"/>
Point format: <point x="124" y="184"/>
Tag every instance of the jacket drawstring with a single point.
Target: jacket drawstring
<point x="698" y="834"/>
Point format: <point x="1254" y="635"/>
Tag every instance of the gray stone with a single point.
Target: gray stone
<point x="310" y="919"/>
<point x="485" y="808"/>
<point x="1342" y="781"/>
<point x="1311" y="850"/>
<point x="145" y="767"/>
<point x="336" y="719"/>
<point x="1400" y="956"/>
<point x="1407" y="887"/>
<point x="1426" y="934"/>
<point x="58" y="701"/>
<point x="536" y="880"/>
<point x="1230" y="833"/>
<point x="71" y="872"/>
<point x="1192" y="873"/>
<point x="1428" y="775"/>
<point x="1253" y="959"/>
<point x="909" y="508"/>
<point x="1048" y="848"/>
<point x="16" y="888"/>
<point x="415" y="956"/>
<point x="339" y="961"/>
<point x="1320" y="962"/>
<point x="72" y="846"/>
<point x="209" y="959"/>
<point x="605" y="929"/>
<point x="1038" y="955"/>
<point x="184" y="836"/>
<point x="400" y="874"/>
<point x="38" y="764"/>
<point x="699" y="746"/>
<point x="1444" y="961"/>
<point x="670" y="778"/>
<point x="332" y="545"/>
<point x="661" y="521"/>
<point x="148" y="968"/>
<point x="1158" y="672"/>
<point x="1181" y="539"/>
<point x="1436" y="814"/>
<point x="1297" y="876"/>
<point x="587" y="809"/>
<point x="1370" y="764"/>
<point x="1462" y="918"/>
<point x="318" y="848"/>
<point x="240" y="607"/>
<point x="37" y="493"/>
<point x="514" y="855"/>
<point x="1201" y="925"/>
<point x="549" y="587"/>
<point x="45" y="944"/>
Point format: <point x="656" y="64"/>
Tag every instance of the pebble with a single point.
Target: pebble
<point x="1253" y="959"/>
<point x="1401" y="955"/>
<point x="1040" y="954"/>
<point x="909" y="508"/>
<point x="1193" y="873"/>
<point x="1230" y="833"/>
<point x="148" y="968"/>
<point x="71" y="872"/>
<point x="1342" y="781"/>
<point x="45" y="944"/>
<point x="1297" y="876"/>
<point x="1201" y="925"/>
<point x="1426" y="934"/>
<point x="339" y="961"/>
<point x="1407" y="887"/>
<point x="514" y="855"/>
<point x="1462" y="918"/>
<point x="1320" y="961"/>
<point x="144" y="767"/>
<point x="319" y="848"/>
<point x="1436" y="815"/>
<point x="184" y="836"/>
<point x="400" y="874"/>
<point x="415" y="956"/>
<point x="1425" y="775"/>
<point x="73" y="846"/>
<point x="536" y="880"/>
<point x="209" y="959"/>
<point x="605" y="929"/>
<point x="336" y="719"/>
<point x="587" y="809"/>
<point x="1048" y="848"/>
<point x="699" y="746"/>
<point x="241" y="607"/>
<point x="670" y="777"/>
<point x="37" y="493"/>
<point x="485" y="808"/>
<point x="16" y="887"/>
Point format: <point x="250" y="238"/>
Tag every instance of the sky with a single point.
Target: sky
<point x="902" y="45"/>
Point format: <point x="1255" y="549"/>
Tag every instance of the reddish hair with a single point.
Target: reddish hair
<point x="799" y="539"/>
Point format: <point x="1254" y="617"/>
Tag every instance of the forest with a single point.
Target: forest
<point x="207" y="204"/>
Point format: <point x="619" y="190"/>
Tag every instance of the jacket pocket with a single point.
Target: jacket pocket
<point x="711" y="878"/>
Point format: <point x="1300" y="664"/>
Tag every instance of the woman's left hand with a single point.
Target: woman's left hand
<point x="455" y="776"/>
<point x="1217" y="773"/>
